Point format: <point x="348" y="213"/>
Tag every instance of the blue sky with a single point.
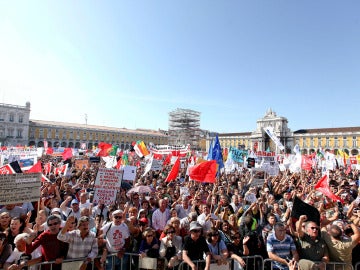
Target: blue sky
<point x="129" y="63"/>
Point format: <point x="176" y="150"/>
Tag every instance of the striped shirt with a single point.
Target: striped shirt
<point x="78" y="247"/>
<point x="282" y="248"/>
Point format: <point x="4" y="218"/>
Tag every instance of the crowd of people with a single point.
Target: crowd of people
<point x="186" y="220"/>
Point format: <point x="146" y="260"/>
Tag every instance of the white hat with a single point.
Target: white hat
<point x="117" y="212"/>
<point x="55" y="210"/>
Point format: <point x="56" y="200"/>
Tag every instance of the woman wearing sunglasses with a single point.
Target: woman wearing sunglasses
<point x="170" y="246"/>
<point x="218" y="249"/>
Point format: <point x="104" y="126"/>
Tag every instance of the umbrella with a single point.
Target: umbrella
<point x="140" y="189"/>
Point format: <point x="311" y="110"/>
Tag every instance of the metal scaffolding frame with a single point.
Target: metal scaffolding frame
<point x="184" y="127"/>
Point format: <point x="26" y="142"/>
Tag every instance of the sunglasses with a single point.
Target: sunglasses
<point x="52" y="224"/>
<point x="314" y="228"/>
<point x="170" y="232"/>
<point x="118" y="217"/>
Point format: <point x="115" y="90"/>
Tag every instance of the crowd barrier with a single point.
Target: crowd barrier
<point x="132" y="261"/>
<point x="268" y="264"/>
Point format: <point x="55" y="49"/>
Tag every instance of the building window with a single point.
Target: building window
<point x="41" y="134"/>
<point x="336" y="142"/>
<point x="32" y="134"/>
<point x="21" y="118"/>
<point x="11" y="117"/>
<point x="10" y="132"/>
<point x="327" y="142"/>
<point x="19" y="133"/>
<point x="354" y="144"/>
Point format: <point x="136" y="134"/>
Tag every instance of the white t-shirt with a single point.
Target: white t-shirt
<point x="115" y="236"/>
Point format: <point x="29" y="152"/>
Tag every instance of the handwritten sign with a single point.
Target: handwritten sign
<point x="107" y="184"/>
<point x="19" y="188"/>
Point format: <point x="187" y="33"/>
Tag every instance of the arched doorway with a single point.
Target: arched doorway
<point x="40" y="144"/>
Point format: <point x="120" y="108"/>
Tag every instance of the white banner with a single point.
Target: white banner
<point x="269" y="131"/>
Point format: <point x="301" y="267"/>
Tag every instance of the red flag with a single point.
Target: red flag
<point x="167" y="160"/>
<point x="306" y="163"/>
<point x="67" y="154"/>
<point x="36" y="168"/>
<point x="7" y="169"/>
<point x="204" y="171"/>
<point x="323" y="186"/>
<point x="49" y="151"/>
<point x="174" y="171"/>
<point x="104" y="149"/>
<point x="47" y="168"/>
<point x="158" y="156"/>
<point x="61" y="169"/>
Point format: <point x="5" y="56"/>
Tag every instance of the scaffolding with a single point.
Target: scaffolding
<point x="184" y="127"/>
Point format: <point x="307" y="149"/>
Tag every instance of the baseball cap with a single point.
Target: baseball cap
<point x="74" y="201"/>
<point x="195" y="226"/>
<point x="55" y="210"/>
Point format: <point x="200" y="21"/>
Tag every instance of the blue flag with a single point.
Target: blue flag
<point x="217" y="153"/>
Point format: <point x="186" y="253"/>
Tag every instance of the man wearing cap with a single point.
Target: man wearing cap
<point x="194" y="248"/>
<point x="52" y="249"/>
<point x="117" y="237"/>
<point x="73" y="210"/>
